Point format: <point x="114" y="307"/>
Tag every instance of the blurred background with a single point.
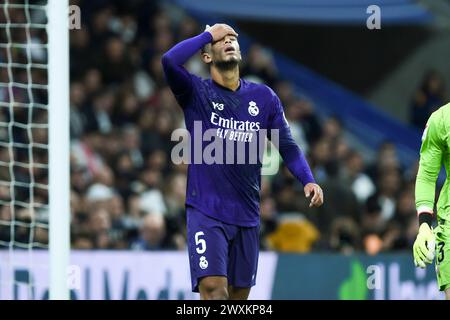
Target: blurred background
<point x="356" y="99"/>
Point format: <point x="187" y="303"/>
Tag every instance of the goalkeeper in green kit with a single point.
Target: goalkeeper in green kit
<point x="434" y="153"/>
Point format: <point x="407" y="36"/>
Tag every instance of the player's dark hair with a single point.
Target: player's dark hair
<point x="204" y="49"/>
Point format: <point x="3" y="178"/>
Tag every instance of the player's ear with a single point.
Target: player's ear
<point x="206" y="57"/>
<point x="206" y="53"/>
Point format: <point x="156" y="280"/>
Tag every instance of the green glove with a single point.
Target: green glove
<point x="424" y="246"/>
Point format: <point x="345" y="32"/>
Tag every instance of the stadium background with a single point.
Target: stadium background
<point x="356" y="100"/>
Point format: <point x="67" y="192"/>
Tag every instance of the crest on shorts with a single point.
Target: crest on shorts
<point x="203" y="262"/>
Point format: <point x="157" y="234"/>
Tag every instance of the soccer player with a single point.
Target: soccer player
<point x="434" y="153"/>
<point x="222" y="202"/>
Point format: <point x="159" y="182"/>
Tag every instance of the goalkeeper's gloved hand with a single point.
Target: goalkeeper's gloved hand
<point x="424" y="246"/>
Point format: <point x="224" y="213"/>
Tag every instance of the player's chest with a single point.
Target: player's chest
<point x="234" y="107"/>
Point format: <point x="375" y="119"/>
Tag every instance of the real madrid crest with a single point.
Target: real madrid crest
<point x="253" y="108"/>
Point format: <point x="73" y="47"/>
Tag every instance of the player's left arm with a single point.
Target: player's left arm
<point x="292" y="156"/>
<point x="431" y="153"/>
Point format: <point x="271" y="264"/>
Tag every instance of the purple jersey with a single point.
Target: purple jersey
<point x="229" y="191"/>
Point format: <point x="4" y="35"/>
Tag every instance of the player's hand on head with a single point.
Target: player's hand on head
<point x="220" y="30"/>
<point x="314" y="191"/>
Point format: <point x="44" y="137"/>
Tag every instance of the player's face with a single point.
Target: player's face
<point x="225" y="50"/>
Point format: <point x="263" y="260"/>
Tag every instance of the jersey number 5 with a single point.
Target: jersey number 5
<point x="200" y="243"/>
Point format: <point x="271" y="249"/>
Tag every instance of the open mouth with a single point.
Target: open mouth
<point x="229" y="49"/>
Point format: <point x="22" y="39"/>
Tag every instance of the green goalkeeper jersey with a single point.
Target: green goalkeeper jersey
<point x="434" y="153"/>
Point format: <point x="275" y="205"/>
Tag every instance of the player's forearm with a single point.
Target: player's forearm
<point x="425" y="194"/>
<point x="425" y="191"/>
<point x="431" y="153"/>
<point x="183" y="51"/>
<point x="292" y="156"/>
<point x="296" y="162"/>
<point x="177" y="76"/>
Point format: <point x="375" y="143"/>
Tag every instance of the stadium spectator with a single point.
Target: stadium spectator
<point x="293" y="234"/>
<point x="360" y="183"/>
<point x="269" y="217"/>
<point x="152" y="234"/>
<point x="341" y="202"/>
<point x="344" y="236"/>
<point x="259" y="66"/>
<point x="100" y="229"/>
<point x="428" y="97"/>
<point x="388" y="186"/>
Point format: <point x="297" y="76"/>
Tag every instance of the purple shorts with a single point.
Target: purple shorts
<point x="220" y="249"/>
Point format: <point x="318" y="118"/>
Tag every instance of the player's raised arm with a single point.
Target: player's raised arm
<point x="430" y="165"/>
<point x="292" y="156"/>
<point x="177" y="76"/>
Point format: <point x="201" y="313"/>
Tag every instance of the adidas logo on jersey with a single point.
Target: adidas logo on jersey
<point x="218" y="106"/>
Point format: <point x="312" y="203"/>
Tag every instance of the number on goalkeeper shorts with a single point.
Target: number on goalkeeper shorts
<point x="441" y="251"/>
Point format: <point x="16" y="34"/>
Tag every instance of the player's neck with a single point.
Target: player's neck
<point x="226" y="78"/>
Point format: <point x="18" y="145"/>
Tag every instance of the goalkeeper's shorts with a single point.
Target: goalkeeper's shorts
<point x="442" y="235"/>
<point x="220" y="249"/>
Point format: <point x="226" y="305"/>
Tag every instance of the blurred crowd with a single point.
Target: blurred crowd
<point x="430" y="96"/>
<point x="23" y="129"/>
<point x="127" y="194"/>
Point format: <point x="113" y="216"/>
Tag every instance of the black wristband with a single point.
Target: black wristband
<point x="425" y="217"/>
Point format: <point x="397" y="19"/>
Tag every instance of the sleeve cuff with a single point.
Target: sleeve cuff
<point x="207" y="36"/>
<point x="425" y="218"/>
<point x="424" y="209"/>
